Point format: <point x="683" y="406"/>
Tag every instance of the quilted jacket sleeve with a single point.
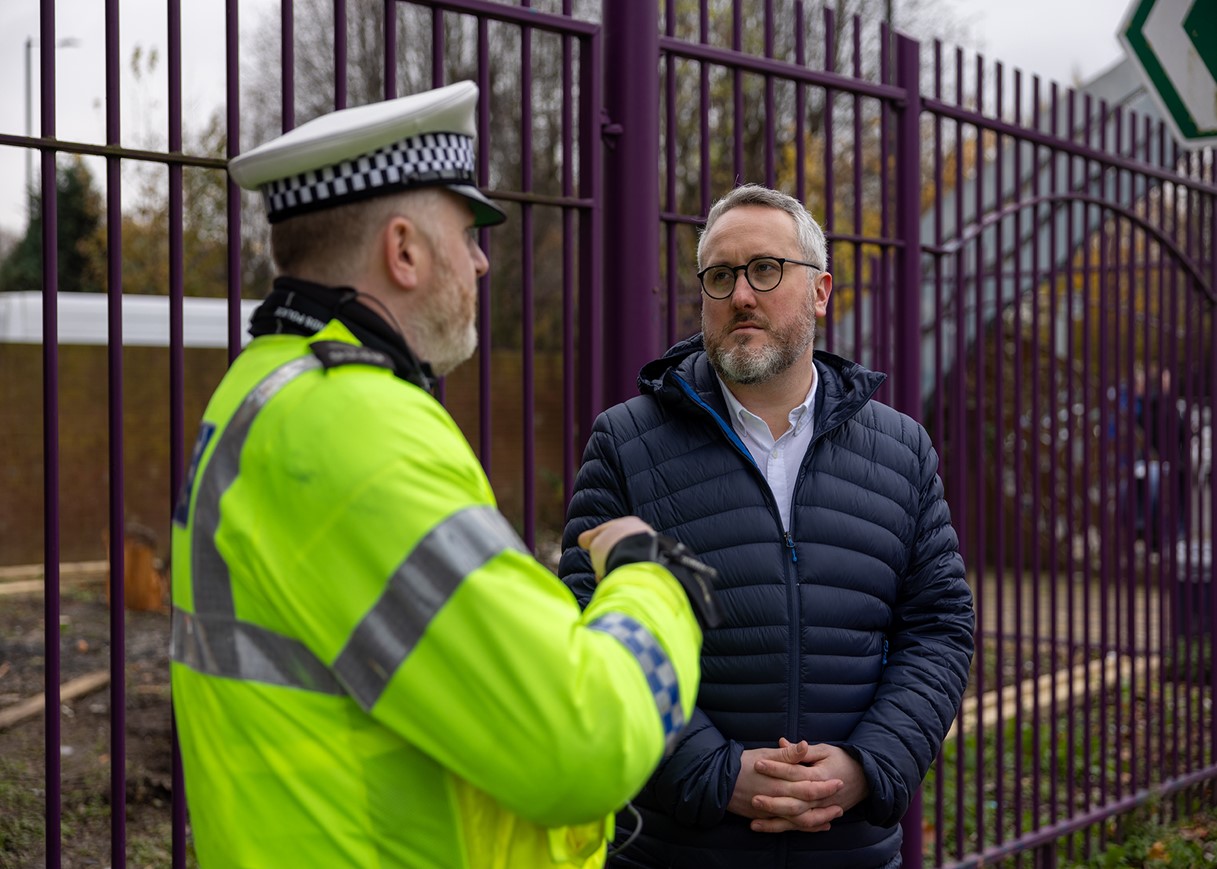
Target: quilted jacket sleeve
<point x="930" y="652"/>
<point x="694" y="783"/>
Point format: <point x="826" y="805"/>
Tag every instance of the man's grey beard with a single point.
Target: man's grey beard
<point x="450" y="347"/>
<point x="747" y="365"/>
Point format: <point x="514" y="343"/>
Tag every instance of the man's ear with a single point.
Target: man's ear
<point x="822" y="288"/>
<point x="404" y="252"/>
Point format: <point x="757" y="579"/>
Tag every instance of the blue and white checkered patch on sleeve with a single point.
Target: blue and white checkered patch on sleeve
<point x="656" y="666"/>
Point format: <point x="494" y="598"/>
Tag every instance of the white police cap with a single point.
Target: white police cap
<point x="423" y="140"/>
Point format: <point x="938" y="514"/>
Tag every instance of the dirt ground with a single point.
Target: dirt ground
<point x="86" y="749"/>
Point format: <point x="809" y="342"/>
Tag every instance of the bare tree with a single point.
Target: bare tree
<point x="526" y="147"/>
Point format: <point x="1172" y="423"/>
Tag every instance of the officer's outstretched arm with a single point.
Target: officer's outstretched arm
<point x="572" y="710"/>
<point x="479" y="656"/>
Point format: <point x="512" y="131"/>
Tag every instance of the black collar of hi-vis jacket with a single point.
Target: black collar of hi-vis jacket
<point x="299" y="307"/>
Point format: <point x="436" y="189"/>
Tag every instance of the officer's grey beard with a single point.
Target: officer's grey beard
<point x="452" y="347"/>
<point x="446" y="324"/>
<point x="745" y="364"/>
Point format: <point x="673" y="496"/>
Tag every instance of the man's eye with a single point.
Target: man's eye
<point x="721" y="276"/>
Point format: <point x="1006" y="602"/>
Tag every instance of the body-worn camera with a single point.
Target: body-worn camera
<point x="695" y="576"/>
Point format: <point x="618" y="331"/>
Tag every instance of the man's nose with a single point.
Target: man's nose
<point x="481" y="264"/>
<point x="743" y="296"/>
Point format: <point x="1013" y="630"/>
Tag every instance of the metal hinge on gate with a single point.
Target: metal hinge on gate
<point x="609" y="130"/>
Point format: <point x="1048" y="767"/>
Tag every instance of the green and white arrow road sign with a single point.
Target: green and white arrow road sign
<point x="1174" y="45"/>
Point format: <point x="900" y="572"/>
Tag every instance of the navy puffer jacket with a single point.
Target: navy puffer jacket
<point x="855" y="629"/>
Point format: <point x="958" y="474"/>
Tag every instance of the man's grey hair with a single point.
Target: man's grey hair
<point x="812" y="243"/>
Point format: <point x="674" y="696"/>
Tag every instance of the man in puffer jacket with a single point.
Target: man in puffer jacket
<point x="847" y="634"/>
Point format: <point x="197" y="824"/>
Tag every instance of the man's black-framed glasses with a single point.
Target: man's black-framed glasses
<point x="763" y="274"/>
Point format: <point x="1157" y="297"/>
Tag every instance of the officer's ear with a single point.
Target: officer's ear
<point x="404" y="251"/>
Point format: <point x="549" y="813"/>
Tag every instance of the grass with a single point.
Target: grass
<point x="21" y="811"/>
<point x="1116" y="743"/>
<point x="1143" y="840"/>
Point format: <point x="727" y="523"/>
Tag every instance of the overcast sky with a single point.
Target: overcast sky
<point x="1061" y="40"/>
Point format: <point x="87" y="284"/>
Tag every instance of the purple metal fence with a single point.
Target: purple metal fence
<point x="1036" y="274"/>
<point x="1034" y="269"/>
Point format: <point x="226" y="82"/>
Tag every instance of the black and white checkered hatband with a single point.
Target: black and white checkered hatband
<point x="419" y="161"/>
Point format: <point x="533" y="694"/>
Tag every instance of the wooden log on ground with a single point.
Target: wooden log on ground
<point x="69" y="690"/>
<point x="31" y="579"/>
<point x="1003" y="704"/>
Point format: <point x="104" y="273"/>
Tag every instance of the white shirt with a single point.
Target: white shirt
<point x="778" y="460"/>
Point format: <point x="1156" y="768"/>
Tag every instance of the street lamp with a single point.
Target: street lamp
<point x="66" y="42"/>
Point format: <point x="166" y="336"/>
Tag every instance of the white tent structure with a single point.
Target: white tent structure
<point x="82" y="319"/>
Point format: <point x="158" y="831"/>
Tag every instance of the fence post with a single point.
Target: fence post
<point x="631" y="194"/>
<point x="907" y="388"/>
<point x="907" y="286"/>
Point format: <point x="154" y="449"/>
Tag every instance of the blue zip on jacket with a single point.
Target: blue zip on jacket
<point x="854" y="630"/>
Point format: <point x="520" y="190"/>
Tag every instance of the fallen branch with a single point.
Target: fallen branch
<point x="27" y="586"/>
<point x="38" y="586"/>
<point x="68" y="570"/>
<point x="69" y="690"/>
<point x="995" y="705"/>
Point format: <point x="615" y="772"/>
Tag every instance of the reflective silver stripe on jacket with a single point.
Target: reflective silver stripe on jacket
<point x="213" y="641"/>
<point x="656" y="666"/>
<point x="415" y="593"/>
<point x="235" y="649"/>
<point x="212" y="584"/>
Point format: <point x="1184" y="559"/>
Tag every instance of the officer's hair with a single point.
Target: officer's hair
<point x="810" y="237"/>
<point x="331" y="245"/>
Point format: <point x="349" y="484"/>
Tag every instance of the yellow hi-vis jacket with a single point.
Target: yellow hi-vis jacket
<point x="369" y="668"/>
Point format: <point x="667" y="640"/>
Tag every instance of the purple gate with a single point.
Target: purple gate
<point x="1033" y="267"/>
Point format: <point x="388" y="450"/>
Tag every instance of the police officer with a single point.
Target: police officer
<point x="369" y="667"/>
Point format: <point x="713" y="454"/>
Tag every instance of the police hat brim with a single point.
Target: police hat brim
<point x="485" y="212"/>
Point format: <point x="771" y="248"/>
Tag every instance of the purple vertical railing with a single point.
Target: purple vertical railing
<point x="1071" y="394"/>
<point x="528" y="313"/>
<point x="340" y="54"/>
<point x="114" y="353"/>
<point x="907" y="345"/>
<point x="232" y="87"/>
<point x="737" y="90"/>
<point x="389" y="63"/>
<point x="631" y="97"/>
<point x="177" y="371"/>
<point x="981" y="601"/>
<point x="906" y="367"/>
<point x="1037" y="637"/>
<point x="1016" y="556"/>
<point x="485" y="423"/>
<point x="830" y="198"/>
<point x="939" y="426"/>
<point x="287" y="63"/>
<point x="570" y="454"/>
<point x="592" y="231"/>
<point x="858" y="230"/>
<point x="673" y="264"/>
<point x="955" y="477"/>
<point x="882" y="342"/>
<point x="50" y="432"/>
<point x="770" y="173"/>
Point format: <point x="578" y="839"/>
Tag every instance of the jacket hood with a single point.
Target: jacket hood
<point x="650" y="378"/>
